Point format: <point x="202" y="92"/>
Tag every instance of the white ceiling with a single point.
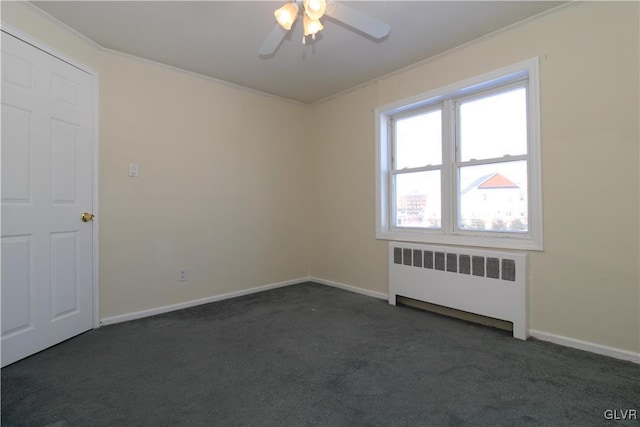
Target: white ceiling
<point x="221" y="39"/>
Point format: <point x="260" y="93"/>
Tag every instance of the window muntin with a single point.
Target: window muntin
<point x="511" y="164"/>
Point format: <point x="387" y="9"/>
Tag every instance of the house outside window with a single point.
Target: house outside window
<point x="461" y="165"/>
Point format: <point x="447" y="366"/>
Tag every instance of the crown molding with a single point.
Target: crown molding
<point x="99" y="47"/>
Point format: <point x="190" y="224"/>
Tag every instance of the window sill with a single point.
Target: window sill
<point x="501" y="242"/>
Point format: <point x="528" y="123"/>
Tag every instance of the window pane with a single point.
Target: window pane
<point x="494" y="197"/>
<point x="419" y="140"/>
<point x="418" y="199"/>
<point x="494" y="126"/>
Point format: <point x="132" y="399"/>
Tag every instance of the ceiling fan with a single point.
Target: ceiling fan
<point x="312" y="11"/>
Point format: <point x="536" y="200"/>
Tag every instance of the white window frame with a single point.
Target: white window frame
<point x="449" y="234"/>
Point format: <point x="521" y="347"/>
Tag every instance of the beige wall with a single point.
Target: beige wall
<point x="585" y="285"/>
<point x="222" y="191"/>
<point x="225" y="195"/>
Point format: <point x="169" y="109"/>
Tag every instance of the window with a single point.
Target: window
<point x="460" y="165"/>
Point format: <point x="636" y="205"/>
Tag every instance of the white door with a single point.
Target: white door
<point x="48" y="109"/>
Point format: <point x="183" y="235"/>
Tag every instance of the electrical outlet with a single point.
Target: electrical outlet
<point x="182" y="275"/>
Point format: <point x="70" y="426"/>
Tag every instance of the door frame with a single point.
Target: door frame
<point x="11" y="31"/>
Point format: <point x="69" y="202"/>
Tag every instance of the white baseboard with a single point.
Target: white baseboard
<point x="350" y="288"/>
<point x="543" y="336"/>
<point x="587" y="346"/>
<point x="167" y="308"/>
<point x="179" y="306"/>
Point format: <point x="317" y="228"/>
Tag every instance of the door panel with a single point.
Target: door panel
<point x="16" y="146"/>
<point x="48" y="134"/>
<point x="64" y="146"/>
<point x="16" y="284"/>
<point x="64" y="280"/>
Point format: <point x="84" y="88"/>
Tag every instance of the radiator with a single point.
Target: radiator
<point x="485" y="282"/>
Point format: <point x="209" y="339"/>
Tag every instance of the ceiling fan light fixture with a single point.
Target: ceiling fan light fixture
<point x="311" y="26"/>
<point x="287" y="15"/>
<point x="315" y="9"/>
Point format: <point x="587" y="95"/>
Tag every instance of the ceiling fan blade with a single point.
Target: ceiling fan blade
<point x="272" y="43"/>
<point x="360" y="21"/>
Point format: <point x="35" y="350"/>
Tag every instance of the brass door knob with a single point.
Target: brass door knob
<point x="86" y="217"/>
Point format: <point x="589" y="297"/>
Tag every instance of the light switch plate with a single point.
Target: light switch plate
<point x="133" y="169"/>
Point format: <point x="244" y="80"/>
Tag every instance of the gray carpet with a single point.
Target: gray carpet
<point x="311" y="355"/>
